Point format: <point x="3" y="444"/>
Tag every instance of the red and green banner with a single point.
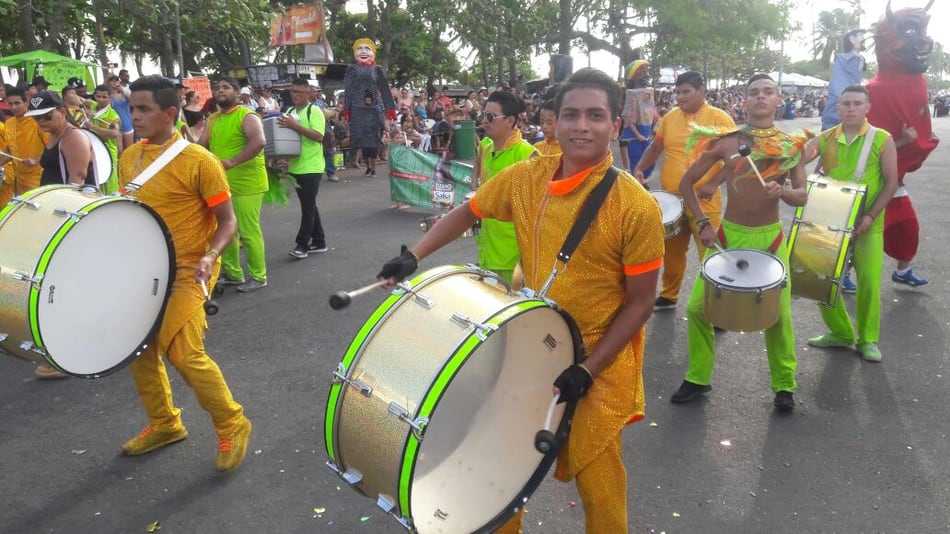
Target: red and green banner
<point x="425" y="181"/>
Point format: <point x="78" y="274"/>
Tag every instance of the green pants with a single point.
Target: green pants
<point x="868" y="260"/>
<point x="779" y="338"/>
<point x="247" y="209"/>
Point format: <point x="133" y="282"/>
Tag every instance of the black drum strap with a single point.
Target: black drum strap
<point x="587" y="215"/>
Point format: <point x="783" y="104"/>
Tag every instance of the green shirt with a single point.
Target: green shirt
<point x="227" y="140"/>
<point x="839" y="159"/>
<point x="497" y="245"/>
<point x="311" y="159"/>
<point x="105" y="120"/>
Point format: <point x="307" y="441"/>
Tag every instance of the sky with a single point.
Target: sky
<point x="798" y="46"/>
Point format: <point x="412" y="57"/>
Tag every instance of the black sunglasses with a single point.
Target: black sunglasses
<point x="490" y="117"/>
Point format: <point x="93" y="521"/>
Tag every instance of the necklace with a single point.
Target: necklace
<point x="760" y="133"/>
<point x="161" y="148"/>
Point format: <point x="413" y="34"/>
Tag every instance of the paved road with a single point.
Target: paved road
<point x="865" y="451"/>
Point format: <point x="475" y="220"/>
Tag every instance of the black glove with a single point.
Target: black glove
<point x="401" y="266"/>
<point x="573" y="383"/>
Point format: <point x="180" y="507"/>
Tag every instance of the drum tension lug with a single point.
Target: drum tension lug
<point x="3" y="337"/>
<point x="20" y="275"/>
<point x="362" y="387"/>
<point x="30" y="203"/>
<point x="29" y="345"/>
<point x="418" y="425"/>
<point x="74" y="215"/>
<point x="420" y="299"/>
<point x="465" y="321"/>
<point x="386" y="504"/>
<point x="350" y="476"/>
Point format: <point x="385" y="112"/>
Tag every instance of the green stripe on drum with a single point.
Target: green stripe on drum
<point x="356" y="348"/>
<point x="43" y="264"/>
<point x="435" y="392"/>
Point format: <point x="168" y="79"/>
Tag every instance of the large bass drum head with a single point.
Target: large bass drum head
<point x="104" y="289"/>
<point x="478" y="462"/>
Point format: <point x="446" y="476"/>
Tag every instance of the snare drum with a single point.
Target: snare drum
<point x="743" y="300"/>
<point x="671" y="207"/>
<point x="820" y="239"/>
<point x="433" y="410"/>
<point x="75" y="291"/>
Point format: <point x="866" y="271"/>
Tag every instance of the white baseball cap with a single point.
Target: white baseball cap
<point x="245" y="90"/>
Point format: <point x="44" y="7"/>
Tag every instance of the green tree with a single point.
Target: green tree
<point x="828" y="32"/>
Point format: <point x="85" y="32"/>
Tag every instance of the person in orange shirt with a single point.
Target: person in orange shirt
<point x="549" y="146"/>
<point x="24" y="140"/>
<point x="192" y="197"/>
<point x="671" y="134"/>
<point x="608" y="288"/>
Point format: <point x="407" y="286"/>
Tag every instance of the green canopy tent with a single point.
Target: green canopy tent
<point x="55" y="68"/>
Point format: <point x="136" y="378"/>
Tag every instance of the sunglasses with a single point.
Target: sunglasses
<point x="490" y="117"/>
<point x="44" y="117"/>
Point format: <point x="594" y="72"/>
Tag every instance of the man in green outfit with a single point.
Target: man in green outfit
<point x="236" y="136"/>
<point x="840" y="149"/>
<point x="104" y="122"/>
<point x="502" y="147"/>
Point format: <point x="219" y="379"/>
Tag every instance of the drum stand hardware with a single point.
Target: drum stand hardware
<point x="350" y="476"/>
<point x="418" y="425"/>
<point x="36" y="281"/>
<point x="482" y="329"/>
<point x="362" y="387"/>
<point x="74" y="215"/>
<point x="385" y="503"/>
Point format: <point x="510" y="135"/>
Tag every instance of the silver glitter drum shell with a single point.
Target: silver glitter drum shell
<point x="435" y="406"/>
<point x="671" y="208"/>
<point x="742" y="300"/>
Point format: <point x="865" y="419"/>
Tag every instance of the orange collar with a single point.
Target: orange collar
<point x="564" y="186"/>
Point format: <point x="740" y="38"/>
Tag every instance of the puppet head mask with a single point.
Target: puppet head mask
<point x="365" y="51"/>
<point x="901" y="42"/>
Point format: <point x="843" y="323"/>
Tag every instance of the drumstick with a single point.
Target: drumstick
<point x="341" y="299"/>
<point x="745" y="151"/>
<point x="11" y="156"/>
<point x="740" y="263"/>
<point x="211" y="307"/>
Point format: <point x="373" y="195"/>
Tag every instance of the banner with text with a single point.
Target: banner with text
<point x="424" y="180"/>
<point x="200" y="85"/>
<point x="298" y="25"/>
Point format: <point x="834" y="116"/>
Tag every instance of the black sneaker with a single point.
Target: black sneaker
<point x="784" y="402"/>
<point x="663" y="303"/>
<point x="298" y="253"/>
<point x="689" y="392"/>
<point x="317" y="248"/>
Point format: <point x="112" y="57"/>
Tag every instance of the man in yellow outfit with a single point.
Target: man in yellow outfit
<point x="671" y="134"/>
<point x="191" y="195"/>
<point x="608" y="288"/>
<point x="24" y="140"/>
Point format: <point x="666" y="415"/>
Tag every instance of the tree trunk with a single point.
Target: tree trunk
<point x="435" y="56"/>
<point x="564" y="27"/>
<point x="27" y="29"/>
<point x="55" y="29"/>
<point x="167" y="56"/>
<point x="371" y="24"/>
<point x="103" y="56"/>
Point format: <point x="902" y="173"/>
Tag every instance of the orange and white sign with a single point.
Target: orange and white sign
<point x="302" y="24"/>
<point x="200" y="85"/>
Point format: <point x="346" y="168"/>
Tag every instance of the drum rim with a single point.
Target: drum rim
<point x="33" y="308"/>
<point x="740" y="289"/>
<point x="459" y="357"/>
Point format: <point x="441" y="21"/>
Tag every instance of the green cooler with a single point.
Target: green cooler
<point x="464" y="140"/>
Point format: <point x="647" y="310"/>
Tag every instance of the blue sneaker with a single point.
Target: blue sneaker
<point x="908" y="278"/>
<point x="848" y="286"/>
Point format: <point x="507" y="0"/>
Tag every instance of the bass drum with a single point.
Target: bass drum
<point x="819" y="243"/>
<point x="84" y="278"/>
<point x="101" y="158"/>
<point x="434" y="409"/>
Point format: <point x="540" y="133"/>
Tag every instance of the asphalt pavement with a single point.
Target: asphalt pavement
<point x="865" y="450"/>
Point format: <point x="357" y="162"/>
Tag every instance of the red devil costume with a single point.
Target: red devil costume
<point x="898" y="102"/>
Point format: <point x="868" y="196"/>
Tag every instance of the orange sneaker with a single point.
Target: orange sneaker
<point x="47" y="372"/>
<point x="152" y="438"/>
<point x="232" y="449"/>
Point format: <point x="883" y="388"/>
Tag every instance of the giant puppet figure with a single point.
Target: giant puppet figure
<point x="899" y="104"/>
<point x="367" y="102"/>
